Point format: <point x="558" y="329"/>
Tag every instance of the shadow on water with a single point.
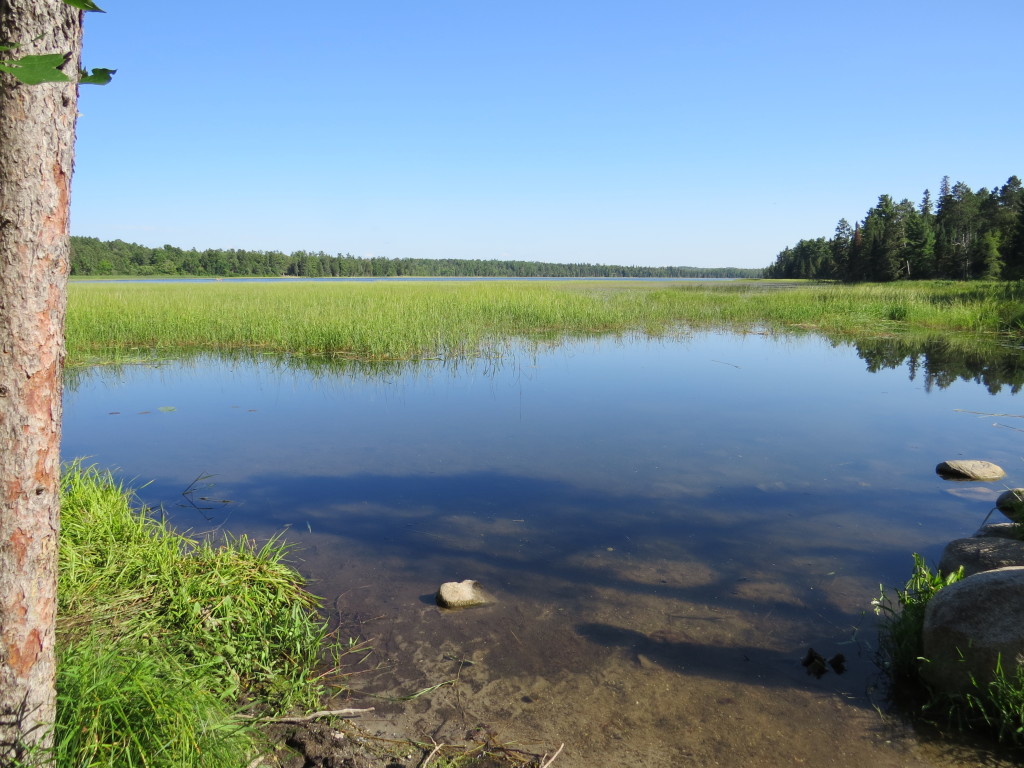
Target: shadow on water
<point x="719" y="571"/>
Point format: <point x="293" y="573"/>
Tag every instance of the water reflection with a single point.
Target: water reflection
<point x="941" y="360"/>
<point x="649" y="514"/>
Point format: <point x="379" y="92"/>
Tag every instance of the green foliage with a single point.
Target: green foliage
<point x="34" y="69"/>
<point x="89" y="253"/>
<point x="162" y="638"/>
<point x="902" y="621"/>
<point x="997" y="708"/>
<point x="122" y="703"/>
<point x="98" y="76"/>
<point x="84" y="5"/>
<point x="969" y="236"/>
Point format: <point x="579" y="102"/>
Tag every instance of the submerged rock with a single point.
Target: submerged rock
<point x="969" y="469"/>
<point x="1011" y="504"/>
<point x="461" y="594"/>
<point x="970" y="627"/>
<point x="1002" y="530"/>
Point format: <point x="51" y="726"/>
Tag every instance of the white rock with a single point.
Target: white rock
<point x="969" y="469"/>
<point x="461" y="594"/>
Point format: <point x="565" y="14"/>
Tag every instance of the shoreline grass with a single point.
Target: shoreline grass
<point x="405" y="321"/>
<point x="168" y="646"/>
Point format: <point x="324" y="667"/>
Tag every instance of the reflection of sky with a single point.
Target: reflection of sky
<point x="778" y="427"/>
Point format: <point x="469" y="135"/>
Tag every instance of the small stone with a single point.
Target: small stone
<point x="969" y="469"/>
<point x="1011" y="504"/>
<point x="461" y="594"/>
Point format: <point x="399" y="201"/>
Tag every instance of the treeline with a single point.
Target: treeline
<point x="91" y="256"/>
<point x="963" y="235"/>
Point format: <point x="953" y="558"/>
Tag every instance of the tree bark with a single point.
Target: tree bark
<point x="37" y="134"/>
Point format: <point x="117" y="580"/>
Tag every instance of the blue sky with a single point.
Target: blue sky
<point x="649" y="132"/>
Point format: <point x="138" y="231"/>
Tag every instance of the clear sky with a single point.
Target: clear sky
<point x="647" y="132"/>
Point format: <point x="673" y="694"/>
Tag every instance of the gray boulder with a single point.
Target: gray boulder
<point x="969" y="469"/>
<point x="970" y="627"/>
<point x="982" y="553"/>
<point x="461" y="594"/>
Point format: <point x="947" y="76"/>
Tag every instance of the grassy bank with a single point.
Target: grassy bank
<point x="399" y="321"/>
<point x="166" y="645"/>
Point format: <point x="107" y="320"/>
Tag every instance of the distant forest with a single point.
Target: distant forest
<point x="961" y="235"/>
<point x="91" y="256"/>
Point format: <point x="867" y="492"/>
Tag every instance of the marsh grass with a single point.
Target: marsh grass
<point x="163" y="638"/>
<point x="405" y="320"/>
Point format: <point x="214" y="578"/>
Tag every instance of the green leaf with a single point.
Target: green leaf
<point x="33" y="70"/>
<point x="84" y="5"/>
<point x="98" y="76"/>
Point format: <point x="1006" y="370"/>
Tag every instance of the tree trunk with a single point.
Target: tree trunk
<point x="37" y="133"/>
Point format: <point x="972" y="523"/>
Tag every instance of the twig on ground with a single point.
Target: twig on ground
<point x="437" y="748"/>
<point x="544" y="763"/>
<point x="316" y="715"/>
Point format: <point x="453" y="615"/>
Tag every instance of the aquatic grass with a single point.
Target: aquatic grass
<point x="407" y="320"/>
<point x="902" y="622"/>
<point x="164" y="638"/>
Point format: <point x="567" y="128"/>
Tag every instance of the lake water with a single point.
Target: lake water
<point x="666" y="525"/>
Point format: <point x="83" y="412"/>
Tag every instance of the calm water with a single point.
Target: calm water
<point x="666" y="525"/>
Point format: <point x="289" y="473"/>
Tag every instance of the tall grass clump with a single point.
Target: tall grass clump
<point x="124" y="704"/>
<point x="165" y="639"/>
<point x="902" y="623"/>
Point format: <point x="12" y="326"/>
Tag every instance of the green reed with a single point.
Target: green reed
<point x="407" y="320"/>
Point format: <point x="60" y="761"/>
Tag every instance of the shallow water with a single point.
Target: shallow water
<point x="666" y="526"/>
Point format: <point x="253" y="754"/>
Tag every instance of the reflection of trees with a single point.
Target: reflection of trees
<point x="943" y="360"/>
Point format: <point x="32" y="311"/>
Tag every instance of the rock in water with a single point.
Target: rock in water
<point x="1011" y="504"/>
<point x="981" y="553"/>
<point x="969" y="469"/>
<point x="970" y="627"/>
<point x="461" y="594"/>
